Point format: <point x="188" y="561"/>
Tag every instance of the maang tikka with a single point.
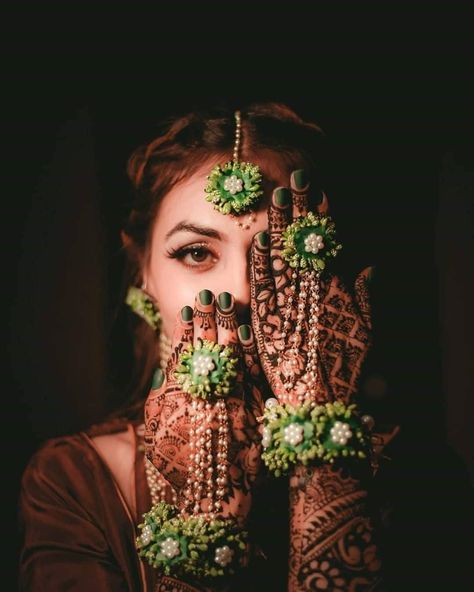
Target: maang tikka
<point x="235" y="187"/>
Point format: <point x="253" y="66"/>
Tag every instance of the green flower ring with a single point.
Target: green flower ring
<point x="206" y="370"/>
<point x="309" y="242"/>
<point x="190" y="546"/>
<point x="234" y="187"/>
<point x="304" y="434"/>
<point x="143" y="306"/>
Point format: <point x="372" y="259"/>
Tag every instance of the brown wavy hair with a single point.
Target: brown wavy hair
<point x="273" y="136"/>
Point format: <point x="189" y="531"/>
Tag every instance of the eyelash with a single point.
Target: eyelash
<point x="182" y="252"/>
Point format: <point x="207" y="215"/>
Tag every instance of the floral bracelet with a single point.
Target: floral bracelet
<point x="307" y="433"/>
<point x="194" y="545"/>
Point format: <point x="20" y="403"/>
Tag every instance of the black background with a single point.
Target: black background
<point x="391" y="87"/>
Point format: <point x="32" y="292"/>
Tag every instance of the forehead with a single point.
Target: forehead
<point x="186" y="202"/>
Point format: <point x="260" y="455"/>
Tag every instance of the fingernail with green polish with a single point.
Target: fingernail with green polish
<point x="262" y="238"/>
<point x="300" y="178"/>
<point x="371" y="274"/>
<point x="205" y="297"/>
<point x="158" y="377"/>
<point x="187" y="314"/>
<point x="244" y="332"/>
<point x="282" y="197"/>
<point x="225" y="300"/>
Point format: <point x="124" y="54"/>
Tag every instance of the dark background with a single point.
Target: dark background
<point x="390" y="86"/>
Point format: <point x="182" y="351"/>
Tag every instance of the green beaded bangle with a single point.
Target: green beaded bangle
<point x="323" y="433"/>
<point x="206" y="370"/>
<point x="203" y="548"/>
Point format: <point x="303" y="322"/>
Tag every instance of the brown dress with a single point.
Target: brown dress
<point x="78" y="532"/>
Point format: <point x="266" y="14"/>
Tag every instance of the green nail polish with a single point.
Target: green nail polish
<point x="300" y="179"/>
<point x="187" y="314"/>
<point x="244" y="332"/>
<point x="158" y="377"/>
<point x="262" y="238"/>
<point x="282" y="197"/>
<point x="205" y="297"/>
<point x="371" y="274"/>
<point x="225" y="300"/>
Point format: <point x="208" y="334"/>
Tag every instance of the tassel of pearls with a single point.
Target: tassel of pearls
<point x="307" y="296"/>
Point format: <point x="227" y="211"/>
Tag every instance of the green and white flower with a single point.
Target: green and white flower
<point x="234" y="187"/>
<point x="195" y="545"/>
<point x="207" y="370"/>
<point x="312" y="433"/>
<point x="309" y="242"/>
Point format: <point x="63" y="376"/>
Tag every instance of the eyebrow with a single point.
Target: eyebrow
<point x="189" y="227"/>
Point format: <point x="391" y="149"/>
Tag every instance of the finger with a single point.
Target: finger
<point x="362" y="294"/>
<point x="279" y="217"/>
<point x="204" y="317"/>
<point x="226" y="321"/>
<point x="262" y="284"/>
<point x="300" y="192"/>
<point x="182" y="335"/>
<point x="323" y="206"/>
<point x="183" y="330"/>
<point x="254" y="369"/>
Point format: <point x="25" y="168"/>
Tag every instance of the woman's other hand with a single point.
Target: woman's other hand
<point x="167" y="409"/>
<point x="344" y="320"/>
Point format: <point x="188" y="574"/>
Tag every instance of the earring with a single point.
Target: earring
<point x="143" y="305"/>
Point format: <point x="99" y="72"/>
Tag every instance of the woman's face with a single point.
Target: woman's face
<point x="195" y="247"/>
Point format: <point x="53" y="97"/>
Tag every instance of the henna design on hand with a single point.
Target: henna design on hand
<point x="167" y="418"/>
<point x="332" y="545"/>
<point x="344" y="319"/>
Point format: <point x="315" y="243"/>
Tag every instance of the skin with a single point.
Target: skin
<point x="331" y="539"/>
<point x="218" y="263"/>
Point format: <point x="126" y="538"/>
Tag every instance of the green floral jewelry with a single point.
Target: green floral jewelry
<point x="206" y="370"/>
<point x="308" y="433"/>
<point x="190" y="546"/>
<point x="142" y="305"/>
<point x="235" y="186"/>
<point x="309" y="242"/>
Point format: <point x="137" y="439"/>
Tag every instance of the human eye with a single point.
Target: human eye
<point x="198" y="256"/>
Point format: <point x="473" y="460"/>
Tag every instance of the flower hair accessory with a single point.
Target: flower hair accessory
<point x="206" y="370"/>
<point x="235" y="186"/>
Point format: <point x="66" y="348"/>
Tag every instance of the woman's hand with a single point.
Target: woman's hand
<point x="344" y="320"/>
<point x="167" y="409"/>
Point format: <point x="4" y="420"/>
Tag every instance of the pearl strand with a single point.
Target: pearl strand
<point x="251" y="217"/>
<point x="222" y="453"/>
<point x="309" y="294"/>
<point x="157" y="485"/>
<point x="238" y="127"/>
<point x="313" y="335"/>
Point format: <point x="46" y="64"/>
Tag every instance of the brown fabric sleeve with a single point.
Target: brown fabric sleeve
<point x="69" y="541"/>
